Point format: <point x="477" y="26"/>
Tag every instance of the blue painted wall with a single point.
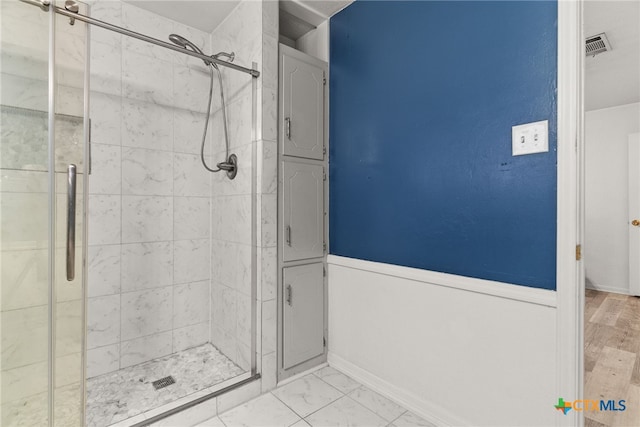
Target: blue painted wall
<point x="423" y="97"/>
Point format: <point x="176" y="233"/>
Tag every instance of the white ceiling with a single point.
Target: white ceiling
<point x="204" y="15"/>
<point x="613" y="78"/>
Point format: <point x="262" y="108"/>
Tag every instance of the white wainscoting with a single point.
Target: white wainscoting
<point x="455" y="350"/>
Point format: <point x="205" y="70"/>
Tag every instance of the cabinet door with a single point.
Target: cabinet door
<point x="303" y="313"/>
<point x="303" y="211"/>
<point x="302" y="120"/>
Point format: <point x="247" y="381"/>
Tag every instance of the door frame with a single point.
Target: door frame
<point x="634" y="156"/>
<point x="570" y="204"/>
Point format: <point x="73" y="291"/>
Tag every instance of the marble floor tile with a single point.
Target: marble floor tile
<point x="337" y="379"/>
<point x="213" y="422"/>
<point x="128" y="392"/>
<point x="409" y="419"/>
<point x="377" y="403"/>
<point x="265" y="411"/>
<point x="345" y="412"/>
<point x="307" y="394"/>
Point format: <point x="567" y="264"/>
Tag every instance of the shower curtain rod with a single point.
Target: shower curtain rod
<point x="45" y="4"/>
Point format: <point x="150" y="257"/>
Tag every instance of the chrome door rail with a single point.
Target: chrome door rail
<point x="46" y="4"/>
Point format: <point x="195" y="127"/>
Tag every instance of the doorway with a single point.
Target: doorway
<point x="612" y="302"/>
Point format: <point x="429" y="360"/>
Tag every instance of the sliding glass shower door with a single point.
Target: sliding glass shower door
<point x="42" y="180"/>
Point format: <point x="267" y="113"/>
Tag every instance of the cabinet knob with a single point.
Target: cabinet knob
<point x="635" y="223"/>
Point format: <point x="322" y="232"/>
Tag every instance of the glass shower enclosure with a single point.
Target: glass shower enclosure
<point x="128" y="272"/>
<point x="42" y="184"/>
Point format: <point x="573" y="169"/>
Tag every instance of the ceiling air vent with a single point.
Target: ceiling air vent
<point x="597" y="44"/>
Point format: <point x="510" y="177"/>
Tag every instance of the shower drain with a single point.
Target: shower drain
<point x="163" y="382"/>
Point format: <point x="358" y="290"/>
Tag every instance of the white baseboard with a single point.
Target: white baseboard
<point x="419" y="406"/>
<point x="595" y="287"/>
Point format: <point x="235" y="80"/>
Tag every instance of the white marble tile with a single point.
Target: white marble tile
<point x="191" y="416"/>
<point x="373" y="401"/>
<point x="146" y="79"/>
<point x="345" y="412"/>
<point x="147" y="218"/>
<point x="69" y="327"/>
<point x="191" y="260"/>
<point x="188" y="127"/>
<point x="105" y="114"/>
<point x="24" y="218"/>
<point x="238" y="396"/>
<point x="70" y="101"/>
<point x="24" y="337"/>
<point x="103" y="321"/>
<point x="243" y="318"/>
<point x="269" y="322"/>
<point x="104" y="219"/>
<point x="104" y="270"/>
<point x="147" y="125"/>
<point x="231" y="219"/>
<point x="190" y="177"/>
<point x="269" y="114"/>
<point x="109" y="11"/>
<point x="190" y="336"/>
<point x="188" y="88"/>
<point x="268" y="166"/>
<point x="24" y="381"/>
<point x="231" y="265"/>
<point x="146" y="265"/>
<point x="191" y="218"/>
<point x="68" y="370"/>
<point x="337" y="379"/>
<point x="270" y="18"/>
<point x="106" y="163"/>
<point x="409" y="419"/>
<point x="143" y="349"/>
<point x="70" y="59"/>
<point x="301" y="423"/>
<point x="145" y="313"/>
<point x="24" y="92"/>
<point x="307" y="394"/>
<point x="239" y="119"/>
<point x="147" y="172"/>
<point x="106" y="68"/>
<point x="25" y="278"/>
<point x="266" y="410"/>
<point x="268" y="261"/>
<point x="243" y="355"/>
<point x="190" y="304"/>
<point x="103" y="360"/>
<point x="148" y="23"/>
<point x="226" y="315"/>
<point x="269" y="371"/>
<point x="29" y="411"/>
<point x="23" y="181"/>
<point x="212" y="422"/>
<point x="268" y="220"/>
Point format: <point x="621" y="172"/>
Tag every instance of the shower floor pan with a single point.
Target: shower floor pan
<point x="128" y="392"/>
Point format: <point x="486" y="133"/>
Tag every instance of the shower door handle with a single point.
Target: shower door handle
<point x="71" y="222"/>
<point x="288" y="235"/>
<point x="289" y="294"/>
<point x="287" y="122"/>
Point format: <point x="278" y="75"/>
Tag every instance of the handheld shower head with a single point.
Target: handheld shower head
<point x="184" y="43"/>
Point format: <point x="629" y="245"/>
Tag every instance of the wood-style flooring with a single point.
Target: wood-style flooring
<point x="612" y="356"/>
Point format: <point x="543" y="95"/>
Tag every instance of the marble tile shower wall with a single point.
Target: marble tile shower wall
<point x="150" y="199"/>
<point x="251" y="30"/>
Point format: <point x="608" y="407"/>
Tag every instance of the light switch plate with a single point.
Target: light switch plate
<point x="530" y="138"/>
